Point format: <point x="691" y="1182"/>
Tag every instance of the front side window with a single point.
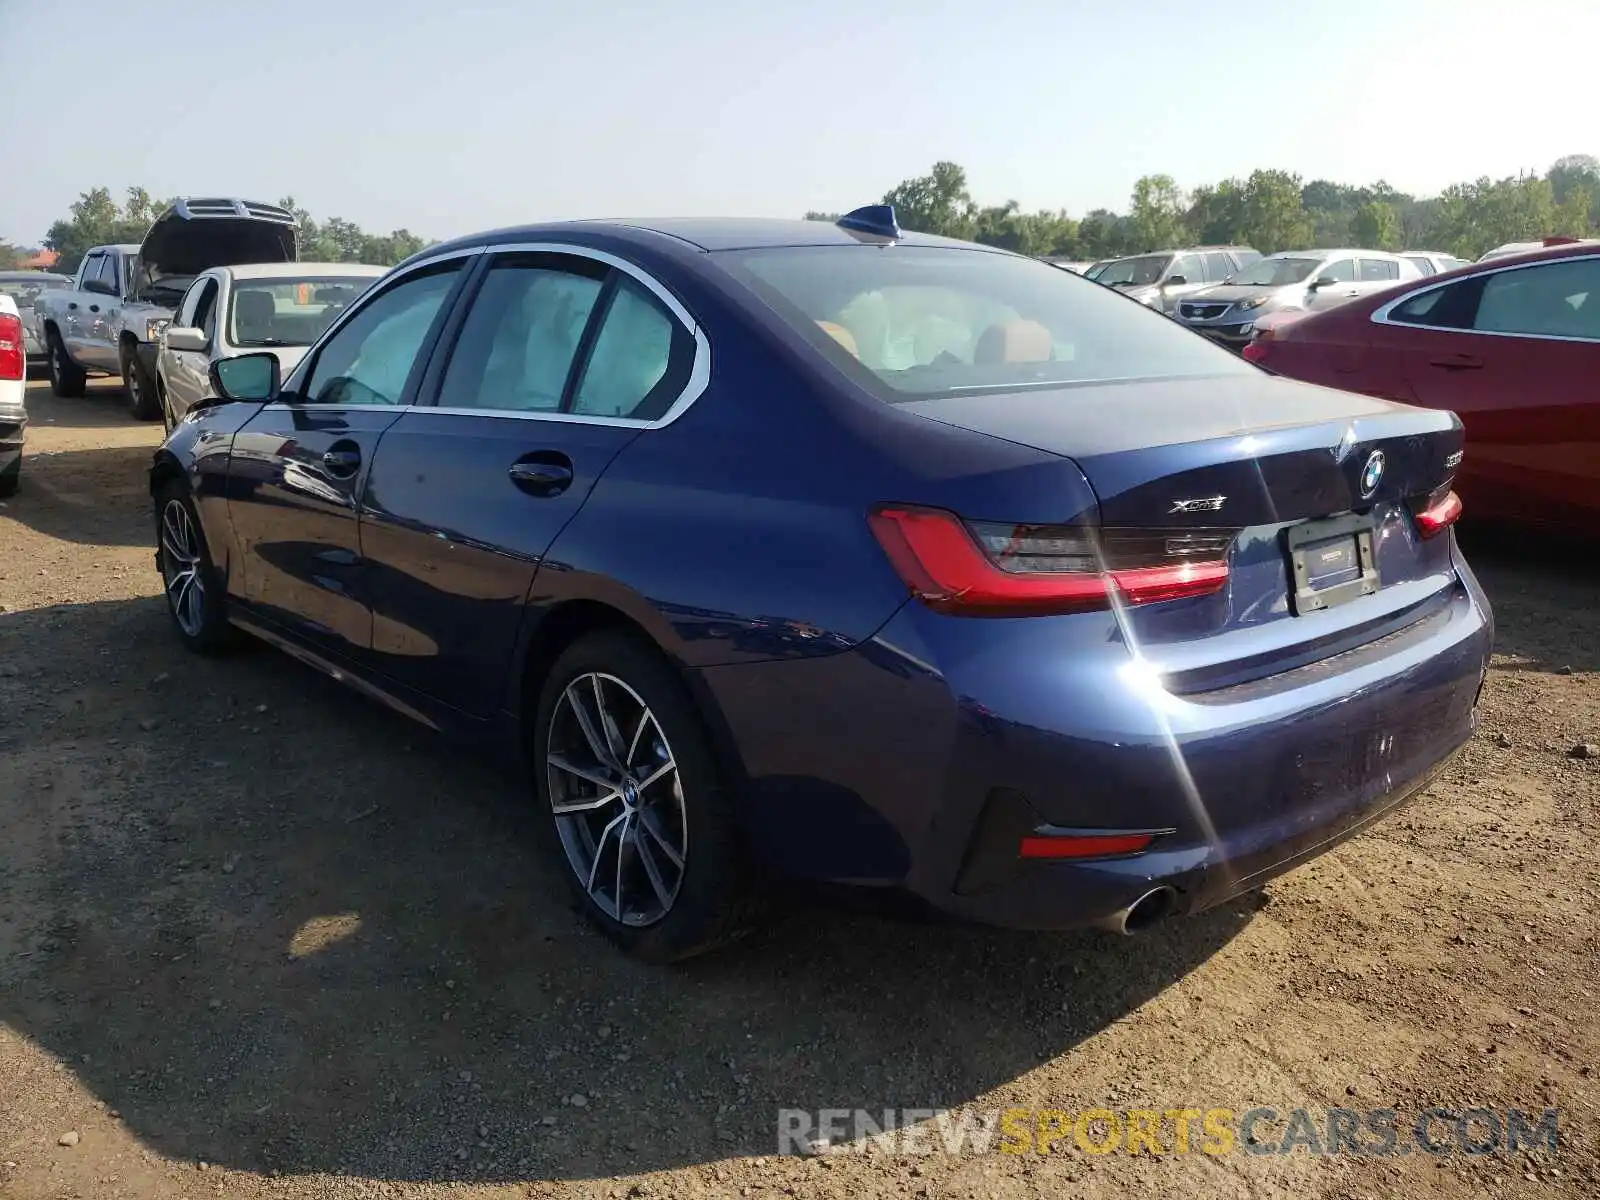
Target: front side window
<point x="205" y="309"/>
<point x="1342" y="270"/>
<point x="1277" y="272"/>
<point x="1425" y="265"/>
<point x="913" y="322"/>
<point x="370" y="359"/>
<point x="1374" y="270"/>
<point x="1188" y="265"/>
<point x="91" y="269"/>
<point x="1559" y="299"/>
<point x="523" y="334"/>
<point x="289" y="311"/>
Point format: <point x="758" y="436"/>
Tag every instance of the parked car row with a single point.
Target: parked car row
<point x="1511" y="344"/>
<point x="1084" y="620"/>
<point x="113" y="315"/>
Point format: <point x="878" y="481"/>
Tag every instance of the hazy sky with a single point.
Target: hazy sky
<point x="447" y="116"/>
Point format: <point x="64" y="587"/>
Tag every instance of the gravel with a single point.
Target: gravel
<point x="196" y="936"/>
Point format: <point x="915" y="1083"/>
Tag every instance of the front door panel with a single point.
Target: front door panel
<point x="294" y="484"/>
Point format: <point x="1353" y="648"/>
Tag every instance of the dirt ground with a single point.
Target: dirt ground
<point x="259" y="937"/>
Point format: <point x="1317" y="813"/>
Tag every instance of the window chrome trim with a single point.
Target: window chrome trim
<point x="1380" y="315"/>
<point x="699" y="371"/>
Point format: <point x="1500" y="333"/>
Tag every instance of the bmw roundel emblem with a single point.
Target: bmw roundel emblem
<point x="1372" y="473"/>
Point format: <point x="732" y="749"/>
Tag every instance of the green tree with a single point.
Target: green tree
<point x="1376" y="226"/>
<point x="1473" y="217"/>
<point x="1274" y="214"/>
<point x="937" y="202"/>
<point x="1216" y="214"/>
<point x="11" y="257"/>
<point x="1156" y="213"/>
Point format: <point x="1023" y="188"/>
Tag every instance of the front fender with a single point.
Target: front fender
<point x="198" y="451"/>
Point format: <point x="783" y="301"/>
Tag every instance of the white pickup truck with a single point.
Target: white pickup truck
<point x="111" y="318"/>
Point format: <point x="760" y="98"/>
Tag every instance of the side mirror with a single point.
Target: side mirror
<point x="1173" y="281"/>
<point x="101" y="287"/>
<point x="246" y="377"/>
<point x="1322" y="281"/>
<point x="186" y="337"/>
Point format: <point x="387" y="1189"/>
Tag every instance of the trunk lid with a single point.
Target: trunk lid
<point x="196" y="234"/>
<point x="1260" y="457"/>
<point x="1273" y="449"/>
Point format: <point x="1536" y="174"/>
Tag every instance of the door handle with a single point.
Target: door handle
<point x="342" y="461"/>
<point x="1457" y="362"/>
<point x="545" y="475"/>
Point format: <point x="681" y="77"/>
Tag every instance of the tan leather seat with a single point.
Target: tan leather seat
<point x="1014" y="342"/>
<point x="841" y="335"/>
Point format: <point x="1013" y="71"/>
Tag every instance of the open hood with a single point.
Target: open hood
<point x="195" y="235"/>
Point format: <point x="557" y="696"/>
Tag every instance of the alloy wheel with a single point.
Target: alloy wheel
<point x="617" y="798"/>
<point x="180" y="567"/>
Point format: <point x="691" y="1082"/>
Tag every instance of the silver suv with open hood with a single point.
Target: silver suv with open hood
<point x="111" y="319"/>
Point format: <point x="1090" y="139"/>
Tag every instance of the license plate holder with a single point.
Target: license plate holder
<point x="1331" y="562"/>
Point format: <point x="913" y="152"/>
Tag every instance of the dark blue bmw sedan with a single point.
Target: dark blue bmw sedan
<point x="848" y="554"/>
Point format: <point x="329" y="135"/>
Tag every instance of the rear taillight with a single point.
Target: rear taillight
<point x="13" y="350"/>
<point x="1438" y="514"/>
<point x="986" y="569"/>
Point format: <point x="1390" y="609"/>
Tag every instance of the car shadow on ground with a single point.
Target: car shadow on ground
<point x="98" y="497"/>
<point x="103" y="406"/>
<point x="1534" y="582"/>
<point x="277" y="928"/>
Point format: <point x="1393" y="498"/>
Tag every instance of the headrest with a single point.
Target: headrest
<point x="1014" y="342"/>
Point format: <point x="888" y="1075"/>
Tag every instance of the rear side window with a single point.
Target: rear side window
<point x="912" y="322"/>
<point x="1374" y="270"/>
<point x="1450" y="307"/>
<point x="639" y="361"/>
<point x="1559" y="299"/>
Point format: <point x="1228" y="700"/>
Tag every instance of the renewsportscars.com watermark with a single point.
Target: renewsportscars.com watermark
<point x="1214" y="1131"/>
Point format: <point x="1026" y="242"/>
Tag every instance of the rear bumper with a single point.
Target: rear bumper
<point x="916" y="760"/>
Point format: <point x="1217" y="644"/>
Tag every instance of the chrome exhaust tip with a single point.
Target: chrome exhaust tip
<point x="1155" y="905"/>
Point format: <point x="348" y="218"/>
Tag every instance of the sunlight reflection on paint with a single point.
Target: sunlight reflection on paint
<point x="319" y="933"/>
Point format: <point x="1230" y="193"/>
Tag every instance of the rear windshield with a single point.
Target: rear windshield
<point x="25" y="291"/>
<point x="913" y="322"/>
<point x="1276" y="272"/>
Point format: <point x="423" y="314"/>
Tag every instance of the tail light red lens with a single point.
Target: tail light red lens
<point x="13" y="349"/>
<point x="1255" y="351"/>
<point x="983" y="568"/>
<point x="1441" y="513"/>
<point x="1084" y="845"/>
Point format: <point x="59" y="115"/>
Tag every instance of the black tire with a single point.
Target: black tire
<point x="67" y="378"/>
<point x="161" y="403"/>
<point x="716" y="901"/>
<point x="203" y="628"/>
<point x="137" y="383"/>
<point x="11" y="477"/>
